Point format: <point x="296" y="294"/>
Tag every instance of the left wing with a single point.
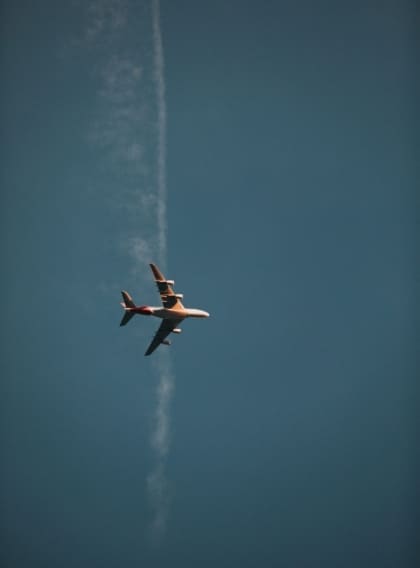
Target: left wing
<point x="169" y="299"/>
<point x="164" y="330"/>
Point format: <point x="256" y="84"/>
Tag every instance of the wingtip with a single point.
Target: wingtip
<point x="156" y="272"/>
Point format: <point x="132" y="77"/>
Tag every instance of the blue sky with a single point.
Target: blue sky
<point x="289" y="190"/>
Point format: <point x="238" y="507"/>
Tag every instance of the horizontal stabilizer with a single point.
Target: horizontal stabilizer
<point x="127" y="317"/>
<point x="128" y="300"/>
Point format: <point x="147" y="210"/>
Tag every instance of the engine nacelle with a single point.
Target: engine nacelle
<point x="179" y="296"/>
<point x="166" y="342"/>
<point x="170" y="282"/>
<point x="176" y="330"/>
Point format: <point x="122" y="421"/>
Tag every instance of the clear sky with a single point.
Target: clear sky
<point x="291" y="217"/>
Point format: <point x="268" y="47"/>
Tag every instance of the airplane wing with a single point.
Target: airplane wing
<point x="164" y="330"/>
<point x="167" y="295"/>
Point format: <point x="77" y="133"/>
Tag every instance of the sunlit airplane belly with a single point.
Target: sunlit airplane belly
<point x="167" y="313"/>
<point x="194" y="313"/>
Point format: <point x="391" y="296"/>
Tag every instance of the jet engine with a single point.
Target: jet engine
<point x="179" y="296"/>
<point x="166" y="342"/>
<point x="170" y="282"/>
<point x="176" y="330"/>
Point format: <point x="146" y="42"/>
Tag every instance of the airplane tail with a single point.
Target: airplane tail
<point x="128" y="304"/>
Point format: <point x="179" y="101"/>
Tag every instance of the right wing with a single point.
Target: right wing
<point x="164" y="330"/>
<point x="167" y="295"/>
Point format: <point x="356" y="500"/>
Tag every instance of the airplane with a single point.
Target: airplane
<point x="172" y="313"/>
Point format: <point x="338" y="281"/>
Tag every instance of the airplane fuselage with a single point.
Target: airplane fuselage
<point x="167" y="313"/>
<point x="172" y="311"/>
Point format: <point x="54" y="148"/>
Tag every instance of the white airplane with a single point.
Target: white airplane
<point x="172" y="313"/>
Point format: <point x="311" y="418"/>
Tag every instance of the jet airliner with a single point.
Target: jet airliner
<point x="172" y="312"/>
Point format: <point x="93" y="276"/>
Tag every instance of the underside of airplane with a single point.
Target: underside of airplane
<point x="172" y="312"/>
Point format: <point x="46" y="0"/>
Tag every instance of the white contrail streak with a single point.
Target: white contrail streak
<point x="156" y="481"/>
<point x="157" y="484"/>
<point x="161" y="129"/>
<point x="128" y="113"/>
<point x="160" y="439"/>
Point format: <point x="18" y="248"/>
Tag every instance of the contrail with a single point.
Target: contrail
<point x="157" y="484"/>
<point x="128" y="113"/>
<point x="161" y="130"/>
<point x="156" y="481"/>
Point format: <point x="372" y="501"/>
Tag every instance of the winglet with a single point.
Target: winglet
<point x="156" y="272"/>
